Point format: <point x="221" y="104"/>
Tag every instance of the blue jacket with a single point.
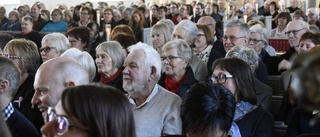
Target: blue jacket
<point x="59" y="26"/>
<point x="16" y="26"/>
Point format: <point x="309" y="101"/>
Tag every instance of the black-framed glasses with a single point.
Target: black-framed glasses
<point x="62" y="122"/>
<point x="169" y="58"/>
<point x="231" y="38"/>
<point x="10" y="56"/>
<point x="46" y="49"/>
<point x="221" y="78"/>
<point x="254" y="41"/>
<point x="295" y="32"/>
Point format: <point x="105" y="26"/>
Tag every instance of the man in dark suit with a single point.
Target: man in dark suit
<point x="9" y="83"/>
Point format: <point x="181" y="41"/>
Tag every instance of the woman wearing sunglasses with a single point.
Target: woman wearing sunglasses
<point x="236" y="75"/>
<point x="90" y="111"/>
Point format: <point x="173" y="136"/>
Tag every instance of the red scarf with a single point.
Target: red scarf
<point x="172" y="85"/>
<point x="105" y="80"/>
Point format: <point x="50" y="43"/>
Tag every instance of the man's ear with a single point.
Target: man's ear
<point x="153" y="73"/>
<point x="4" y="85"/>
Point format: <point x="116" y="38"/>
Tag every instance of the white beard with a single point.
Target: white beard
<point x="132" y="88"/>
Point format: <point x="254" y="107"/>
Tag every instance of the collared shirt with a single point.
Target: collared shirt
<point x="8" y="110"/>
<point x="152" y="94"/>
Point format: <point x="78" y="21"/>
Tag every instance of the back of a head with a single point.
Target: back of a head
<point x="246" y="54"/>
<point x="168" y="23"/>
<point x="190" y="28"/>
<point x="9" y="72"/>
<point x="84" y="59"/>
<point x="121" y="29"/>
<point x="207" y="109"/>
<point x="152" y="57"/>
<point x="66" y="69"/>
<point x="125" y="40"/>
<point x="4" y="39"/>
<point x="104" y="110"/>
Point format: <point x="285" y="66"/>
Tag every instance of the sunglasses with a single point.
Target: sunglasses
<point x="62" y="122"/>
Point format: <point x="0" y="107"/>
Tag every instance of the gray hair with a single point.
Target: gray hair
<point x="262" y="31"/>
<point x="190" y="28"/>
<point x="152" y="57"/>
<point x="128" y="10"/>
<point x="315" y="12"/>
<point x="184" y="50"/>
<point x="117" y="12"/>
<point x="114" y="50"/>
<point x="244" y="28"/>
<point x="58" y="40"/>
<point x="168" y="23"/>
<point x="249" y="55"/>
<point x="27" y="18"/>
<point x="84" y="59"/>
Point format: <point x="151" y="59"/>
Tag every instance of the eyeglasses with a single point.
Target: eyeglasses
<point x="10" y="56"/>
<point x="54" y="14"/>
<point x="84" y="13"/>
<point x="199" y="35"/>
<point x="169" y="58"/>
<point x="47" y="49"/>
<point x="295" y="32"/>
<point x="62" y="122"/>
<point x="221" y="78"/>
<point x="73" y="41"/>
<point x="231" y="38"/>
<point x="254" y="41"/>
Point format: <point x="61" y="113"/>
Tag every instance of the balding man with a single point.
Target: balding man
<point x="211" y="23"/>
<point x="156" y="110"/>
<point x="294" y="31"/>
<point x="237" y="33"/>
<point x="53" y="77"/>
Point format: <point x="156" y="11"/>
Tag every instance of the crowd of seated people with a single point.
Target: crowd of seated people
<point x="58" y="52"/>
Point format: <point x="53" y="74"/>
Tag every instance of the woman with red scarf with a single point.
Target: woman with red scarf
<point x="178" y="76"/>
<point x="109" y="61"/>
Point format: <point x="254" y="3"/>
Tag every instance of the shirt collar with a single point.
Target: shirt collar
<point x="7" y="111"/>
<point x="152" y="94"/>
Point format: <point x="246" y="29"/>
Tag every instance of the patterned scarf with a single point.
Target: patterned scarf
<point x="242" y="108"/>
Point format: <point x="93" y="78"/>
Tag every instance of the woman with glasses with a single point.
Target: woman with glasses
<point x="259" y="42"/>
<point x="236" y="75"/>
<point x="178" y="76"/>
<point x="85" y="13"/>
<point x="79" y="37"/>
<point x="24" y="54"/>
<point x="56" y="24"/>
<point x="90" y="111"/>
<point x="53" y="45"/>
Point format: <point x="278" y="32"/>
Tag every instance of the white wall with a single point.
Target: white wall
<point x="50" y="4"/>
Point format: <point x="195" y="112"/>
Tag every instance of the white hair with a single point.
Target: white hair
<point x="152" y="57"/>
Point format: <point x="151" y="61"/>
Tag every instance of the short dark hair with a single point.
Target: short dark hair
<point x="314" y="37"/>
<point x="163" y="7"/>
<point x="103" y="109"/>
<point x="4" y="39"/>
<point x="125" y="40"/>
<point x="243" y="76"/>
<point x="80" y="33"/>
<point x="283" y="14"/>
<point x="207" y="107"/>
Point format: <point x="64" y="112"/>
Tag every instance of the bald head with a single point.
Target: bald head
<point x="208" y="20"/>
<point x="53" y="77"/>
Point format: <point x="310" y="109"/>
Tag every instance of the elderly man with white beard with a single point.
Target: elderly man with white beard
<point x="156" y="110"/>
